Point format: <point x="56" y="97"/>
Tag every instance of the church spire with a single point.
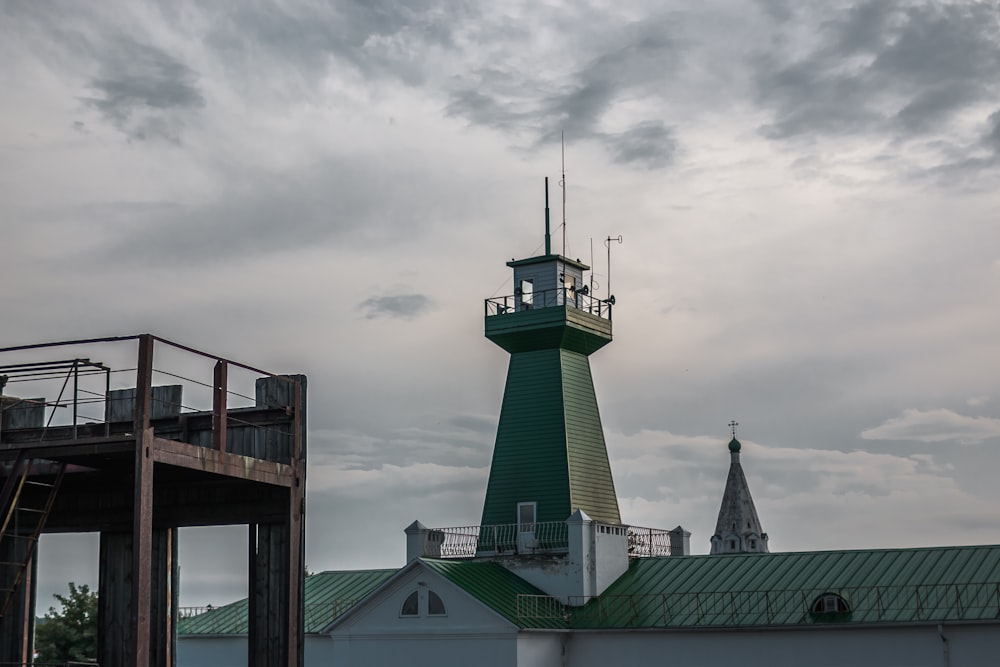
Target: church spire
<point x="738" y="529"/>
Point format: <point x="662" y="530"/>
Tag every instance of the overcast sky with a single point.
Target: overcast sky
<point x="807" y="195"/>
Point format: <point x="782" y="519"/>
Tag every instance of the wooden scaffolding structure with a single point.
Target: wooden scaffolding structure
<point x="136" y="476"/>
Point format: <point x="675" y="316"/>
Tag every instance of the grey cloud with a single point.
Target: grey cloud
<point x="257" y="212"/>
<point x="650" y="144"/>
<point x="940" y="425"/>
<point x="397" y="306"/>
<point x="377" y="38"/>
<point x="144" y="92"/>
<point x="879" y="67"/>
<point x="478" y="424"/>
<point x="378" y="447"/>
<point x="992" y="138"/>
<point x="634" y="59"/>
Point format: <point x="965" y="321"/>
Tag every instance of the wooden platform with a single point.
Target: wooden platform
<point x="148" y="469"/>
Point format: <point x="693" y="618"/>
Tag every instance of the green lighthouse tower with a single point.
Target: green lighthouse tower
<point x="550" y="458"/>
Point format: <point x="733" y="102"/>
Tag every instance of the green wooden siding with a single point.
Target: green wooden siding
<point x="592" y="487"/>
<point x="550" y="445"/>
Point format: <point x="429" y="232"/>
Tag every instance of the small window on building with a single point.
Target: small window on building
<point x="830" y="605"/>
<point x="732" y="545"/>
<point x="526" y="517"/>
<point x="527" y="294"/>
<point x="411" y="605"/>
<point x="435" y="605"/>
<point x="753" y="544"/>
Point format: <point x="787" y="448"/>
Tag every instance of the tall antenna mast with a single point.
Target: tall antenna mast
<point x="607" y="244"/>
<point x="548" y="236"/>
<point x="562" y="184"/>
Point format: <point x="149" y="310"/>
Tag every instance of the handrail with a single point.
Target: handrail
<point x="560" y="296"/>
<point x="541" y="537"/>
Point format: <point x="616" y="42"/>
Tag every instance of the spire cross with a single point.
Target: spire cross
<point x="732" y="427"/>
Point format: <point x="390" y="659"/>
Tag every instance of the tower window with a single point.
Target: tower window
<point x="411" y="605"/>
<point x="732" y="545"/>
<point x="526" y="517"/>
<point x="527" y="294"/>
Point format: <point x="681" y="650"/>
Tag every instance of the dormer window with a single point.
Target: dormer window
<point x="830" y="607"/>
<point x="427" y="604"/>
<point x="411" y="605"/>
<point x="435" y="605"/>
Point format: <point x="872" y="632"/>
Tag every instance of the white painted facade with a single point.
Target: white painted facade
<point x="966" y="645"/>
<point x="377" y="633"/>
<point x="375" y="638"/>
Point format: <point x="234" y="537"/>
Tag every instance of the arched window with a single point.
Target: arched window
<point x="435" y="605"/>
<point x="830" y="606"/>
<point x="411" y="605"/>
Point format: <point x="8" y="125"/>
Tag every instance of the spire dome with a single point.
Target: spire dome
<point x="738" y="528"/>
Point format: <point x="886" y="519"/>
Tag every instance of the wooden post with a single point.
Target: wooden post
<point x="219" y="392"/>
<point x="142" y="511"/>
<point x="296" y="533"/>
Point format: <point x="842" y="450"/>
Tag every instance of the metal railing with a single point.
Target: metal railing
<point x="648" y="542"/>
<point x="560" y="296"/>
<point x="88" y="399"/>
<point x="511" y="538"/>
<point x="865" y="604"/>
<point x="550" y="537"/>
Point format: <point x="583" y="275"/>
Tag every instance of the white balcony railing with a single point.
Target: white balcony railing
<point x="549" y="537"/>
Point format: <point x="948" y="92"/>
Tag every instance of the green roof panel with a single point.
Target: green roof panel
<point x="327" y="595"/>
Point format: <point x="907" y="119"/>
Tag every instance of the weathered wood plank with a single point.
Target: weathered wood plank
<point x="210" y="460"/>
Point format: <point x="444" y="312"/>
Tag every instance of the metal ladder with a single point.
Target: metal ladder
<point x="23" y="521"/>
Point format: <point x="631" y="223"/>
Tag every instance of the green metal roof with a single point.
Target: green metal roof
<point x="880" y="586"/>
<point x="927" y="585"/>
<point x="491" y="584"/>
<point x="327" y="595"/>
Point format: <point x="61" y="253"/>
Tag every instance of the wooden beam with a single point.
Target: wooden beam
<point x="182" y="454"/>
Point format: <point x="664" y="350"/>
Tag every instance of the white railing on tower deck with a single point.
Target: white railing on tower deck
<point x="560" y="296"/>
<point x="548" y="537"/>
<point x="648" y="542"/>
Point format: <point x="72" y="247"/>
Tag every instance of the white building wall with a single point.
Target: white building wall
<point x="424" y="651"/>
<point x="194" y="651"/>
<point x="911" y="646"/>
<point x="468" y="634"/>
<point x="538" y="650"/>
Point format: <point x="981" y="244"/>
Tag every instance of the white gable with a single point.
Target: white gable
<point x="378" y="632"/>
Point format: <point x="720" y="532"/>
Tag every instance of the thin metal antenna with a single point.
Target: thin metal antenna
<point x="548" y="237"/>
<point x="591" y="265"/>
<point x="607" y="243"/>
<point x="562" y="184"/>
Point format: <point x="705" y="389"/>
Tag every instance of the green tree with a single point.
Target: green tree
<point x="69" y="634"/>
